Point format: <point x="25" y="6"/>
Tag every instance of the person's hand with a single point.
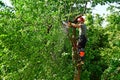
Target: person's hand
<point x="69" y="24"/>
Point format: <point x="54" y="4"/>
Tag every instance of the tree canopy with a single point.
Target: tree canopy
<point x="34" y="45"/>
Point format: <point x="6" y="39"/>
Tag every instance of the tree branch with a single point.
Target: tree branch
<point x="48" y="29"/>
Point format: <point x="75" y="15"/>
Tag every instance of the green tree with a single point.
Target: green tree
<point x="111" y="53"/>
<point x="33" y="44"/>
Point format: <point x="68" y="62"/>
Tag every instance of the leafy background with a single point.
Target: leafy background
<point x="34" y="46"/>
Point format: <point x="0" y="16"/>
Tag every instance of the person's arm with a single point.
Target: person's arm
<point x="76" y="25"/>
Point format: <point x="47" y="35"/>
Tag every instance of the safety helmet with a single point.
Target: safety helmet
<point x="80" y="19"/>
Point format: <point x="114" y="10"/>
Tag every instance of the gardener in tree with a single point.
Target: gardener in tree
<point x="79" y="23"/>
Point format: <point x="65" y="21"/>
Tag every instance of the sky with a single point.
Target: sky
<point x="7" y="2"/>
<point x="100" y="9"/>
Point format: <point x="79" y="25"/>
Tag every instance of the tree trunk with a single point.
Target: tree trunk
<point x="75" y="56"/>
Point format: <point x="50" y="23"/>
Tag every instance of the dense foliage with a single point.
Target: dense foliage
<point x="34" y="45"/>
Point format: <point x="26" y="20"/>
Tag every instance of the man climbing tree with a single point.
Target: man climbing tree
<point x="78" y="46"/>
<point x="79" y="23"/>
